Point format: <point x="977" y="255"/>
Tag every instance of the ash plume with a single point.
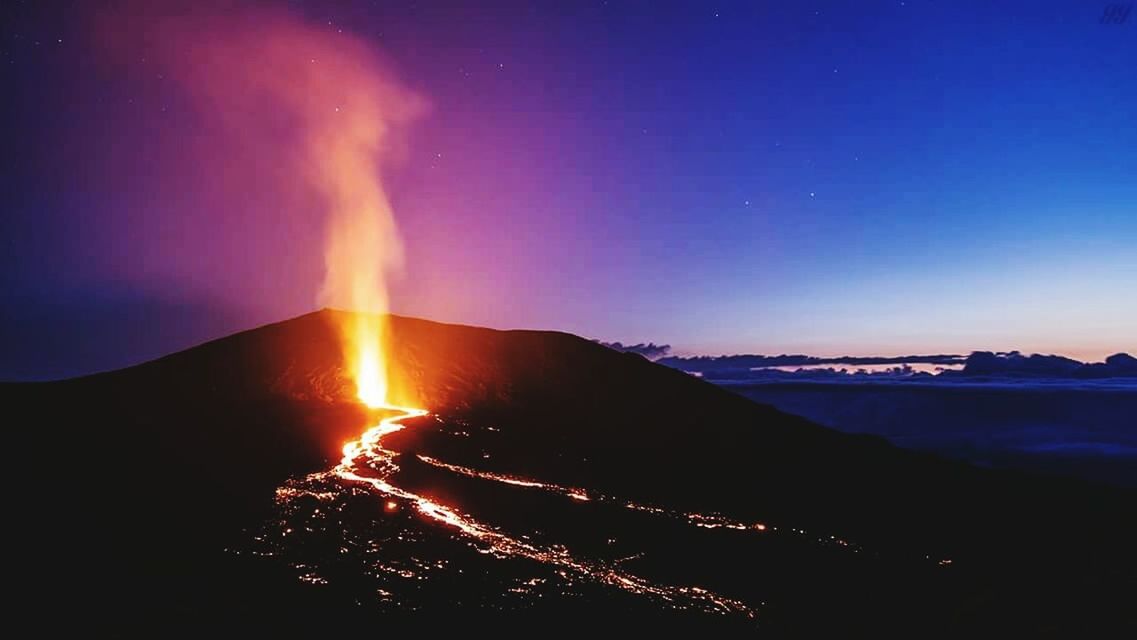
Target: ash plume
<point x="316" y="105"/>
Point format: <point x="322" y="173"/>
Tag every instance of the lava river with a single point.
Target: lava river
<point x="377" y="521"/>
<point x="367" y="462"/>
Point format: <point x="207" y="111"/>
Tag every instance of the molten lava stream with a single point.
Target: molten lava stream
<point x="368" y="452"/>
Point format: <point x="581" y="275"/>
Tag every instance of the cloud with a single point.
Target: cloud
<point x="1015" y="365"/>
<point x="649" y="350"/>
<point x="747" y="362"/>
<point x="980" y="367"/>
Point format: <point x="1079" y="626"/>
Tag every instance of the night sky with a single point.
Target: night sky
<point x="821" y="177"/>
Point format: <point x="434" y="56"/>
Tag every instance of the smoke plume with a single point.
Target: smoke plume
<point x="320" y="108"/>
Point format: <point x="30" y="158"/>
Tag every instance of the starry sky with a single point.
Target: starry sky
<point x="862" y="177"/>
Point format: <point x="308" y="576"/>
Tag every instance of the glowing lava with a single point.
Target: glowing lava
<point x="371" y="374"/>
<point x="367" y="461"/>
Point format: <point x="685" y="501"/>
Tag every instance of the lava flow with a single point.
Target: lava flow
<point x="367" y="461"/>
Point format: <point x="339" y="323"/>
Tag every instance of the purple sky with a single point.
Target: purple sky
<point x="865" y="178"/>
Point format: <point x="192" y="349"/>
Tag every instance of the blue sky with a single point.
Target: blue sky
<point x="826" y="177"/>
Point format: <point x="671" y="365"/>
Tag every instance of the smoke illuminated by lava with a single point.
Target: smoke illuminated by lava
<point x="320" y="108"/>
<point x="315" y="104"/>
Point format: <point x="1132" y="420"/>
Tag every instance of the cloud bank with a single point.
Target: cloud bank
<point x="649" y="350"/>
<point x="982" y="367"/>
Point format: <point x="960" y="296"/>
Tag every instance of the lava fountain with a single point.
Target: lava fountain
<point x="362" y="246"/>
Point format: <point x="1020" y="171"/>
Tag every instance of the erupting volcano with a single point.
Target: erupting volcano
<point x="354" y="471"/>
<point x="548" y="482"/>
<point x="345" y="112"/>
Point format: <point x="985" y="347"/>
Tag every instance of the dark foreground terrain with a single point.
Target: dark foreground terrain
<point x="175" y="497"/>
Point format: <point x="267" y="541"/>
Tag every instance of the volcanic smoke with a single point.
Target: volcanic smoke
<point x="319" y="104"/>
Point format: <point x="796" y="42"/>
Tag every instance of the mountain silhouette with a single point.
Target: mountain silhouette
<point x="149" y="496"/>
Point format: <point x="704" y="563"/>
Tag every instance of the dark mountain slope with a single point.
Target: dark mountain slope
<point x="145" y="474"/>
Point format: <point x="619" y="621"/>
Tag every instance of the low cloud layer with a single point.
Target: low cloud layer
<point x="978" y="367"/>
<point x="751" y="361"/>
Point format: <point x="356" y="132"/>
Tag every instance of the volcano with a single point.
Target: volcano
<point x="554" y="484"/>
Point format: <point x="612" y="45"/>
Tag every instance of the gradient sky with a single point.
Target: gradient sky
<point x="821" y="177"/>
